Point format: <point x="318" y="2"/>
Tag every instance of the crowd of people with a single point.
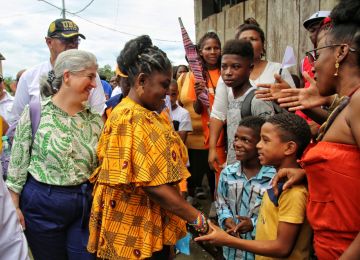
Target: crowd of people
<point x="115" y="170"/>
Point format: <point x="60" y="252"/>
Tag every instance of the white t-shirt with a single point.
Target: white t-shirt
<point x="182" y="116"/>
<point x="6" y="105"/>
<point x="29" y="85"/>
<point x="116" y="91"/>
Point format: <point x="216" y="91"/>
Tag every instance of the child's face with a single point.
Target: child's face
<point x="270" y="148"/>
<point x="245" y="143"/>
<point x="235" y="70"/>
<point x="174" y="93"/>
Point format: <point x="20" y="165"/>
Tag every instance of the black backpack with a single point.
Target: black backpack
<point x="246" y="105"/>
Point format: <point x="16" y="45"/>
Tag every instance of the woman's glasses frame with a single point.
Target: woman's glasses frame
<point x="313" y="55"/>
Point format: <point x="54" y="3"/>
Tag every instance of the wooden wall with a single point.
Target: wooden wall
<point x="281" y="21"/>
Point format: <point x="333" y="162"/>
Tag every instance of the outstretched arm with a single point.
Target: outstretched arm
<point x="169" y="198"/>
<point x="281" y="247"/>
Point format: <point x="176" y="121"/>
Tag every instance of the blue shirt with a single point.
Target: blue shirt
<point x="238" y="195"/>
<point x="107" y="88"/>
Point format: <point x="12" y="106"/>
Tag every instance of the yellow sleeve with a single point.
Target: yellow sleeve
<point x="140" y="148"/>
<point x="292" y="205"/>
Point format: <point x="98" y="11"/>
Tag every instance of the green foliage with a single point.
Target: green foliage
<point x="106" y="72"/>
<point x="7" y="82"/>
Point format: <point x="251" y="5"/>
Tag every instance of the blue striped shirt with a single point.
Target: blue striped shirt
<point x="238" y="195"/>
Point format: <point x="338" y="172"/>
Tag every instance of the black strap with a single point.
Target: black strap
<point x="246" y="105"/>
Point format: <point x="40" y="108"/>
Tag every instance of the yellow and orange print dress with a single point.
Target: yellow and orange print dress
<point x="137" y="148"/>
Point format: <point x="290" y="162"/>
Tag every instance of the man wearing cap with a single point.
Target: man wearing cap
<point x="63" y="34"/>
<point x="312" y="25"/>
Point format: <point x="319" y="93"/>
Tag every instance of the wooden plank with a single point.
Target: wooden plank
<point x="250" y="8"/>
<point x="197" y="11"/>
<point x="274" y="29"/>
<point x="233" y="18"/>
<point x="261" y="14"/>
<point x="208" y="24"/>
<point x="328" y="5"/>
<point x="220" y="27"/>
<point x="289" y="35"/>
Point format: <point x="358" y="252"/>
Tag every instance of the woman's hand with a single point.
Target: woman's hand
<point x="216" y="236"/>
<point x="15" y="198"/>
<point x="245" y="225"/>
<point x="213" y="158"/>
<point x="290" y="176"/>
<point x="21" y="217"/>
<point x="304" y="98"/>
<point x="199" y="87"/>
<point x="272" y="91"/>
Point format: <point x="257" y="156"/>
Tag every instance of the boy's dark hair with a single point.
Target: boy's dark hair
<point x="253" y="122"/>
<point x="242" y="48"/>
<point x="141" y="56"/>
<point x="292" y="128"/>
<point x="173" y="82"/>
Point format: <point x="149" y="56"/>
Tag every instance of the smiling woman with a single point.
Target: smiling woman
<point x="138" y="211"/>
<point x="50" y="167"/>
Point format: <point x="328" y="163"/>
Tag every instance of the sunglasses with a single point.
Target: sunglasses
<point x="1" y="79"/>
<point x="313" y="55"/>
<point x="68" y="41"/>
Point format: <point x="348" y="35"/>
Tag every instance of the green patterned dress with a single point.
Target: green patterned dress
<point x="64" y="149"/>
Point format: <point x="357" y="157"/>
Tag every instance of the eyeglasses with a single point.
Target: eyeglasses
<point x="313" y="55"/>
<point x="68" y="41"/>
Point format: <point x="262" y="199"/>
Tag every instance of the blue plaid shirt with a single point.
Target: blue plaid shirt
<point x="238" y="195"/>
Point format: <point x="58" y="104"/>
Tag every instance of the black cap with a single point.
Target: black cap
<point x="64" y="28"/>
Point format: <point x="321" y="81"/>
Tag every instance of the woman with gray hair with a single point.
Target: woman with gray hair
<point x="48" y="174"/>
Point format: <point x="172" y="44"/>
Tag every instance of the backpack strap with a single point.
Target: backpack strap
<point x="35" y="111"/>
<point x="245" y="109"/>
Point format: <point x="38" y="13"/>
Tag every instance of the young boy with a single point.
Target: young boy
<point x="236" y="66"/>
<point x="242" y="185"/>
<point x="282" y="230"/>
<point x="180" y="116"/>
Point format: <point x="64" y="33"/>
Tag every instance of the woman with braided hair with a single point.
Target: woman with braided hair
<point x="137" y="210"/>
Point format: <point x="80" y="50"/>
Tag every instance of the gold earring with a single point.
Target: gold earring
<point x="337" y="65"/>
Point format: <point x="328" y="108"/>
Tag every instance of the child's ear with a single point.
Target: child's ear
<point x="291" y="148"/>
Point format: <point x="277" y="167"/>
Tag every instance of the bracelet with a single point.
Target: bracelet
<point x="200" y="224"/>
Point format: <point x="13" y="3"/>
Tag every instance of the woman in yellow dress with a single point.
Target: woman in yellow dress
<point x="137" y="210"/>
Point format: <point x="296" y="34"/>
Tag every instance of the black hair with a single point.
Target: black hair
<point x="201" y="43"/>
<point x="292" y="128"/>
<point x="176" y="69"/>
<point x="141" y="56"/>
<point x="253" y="122"/>
<point x="346" y="24"/>
<point x="173" y="82"/>
<point x="242" y="48"/>
<point x="251" y="24"/>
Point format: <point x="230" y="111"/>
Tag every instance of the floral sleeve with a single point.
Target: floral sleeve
<point x="20" y="154"/>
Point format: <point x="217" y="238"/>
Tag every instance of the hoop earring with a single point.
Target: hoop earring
<point x="337" y="65"/>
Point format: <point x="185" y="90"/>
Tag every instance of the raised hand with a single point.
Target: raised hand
<point x="304" y="98"/>
<point x="272" y="91"/>
<point x="290" y="176"/>
<point x="216" y="236"/>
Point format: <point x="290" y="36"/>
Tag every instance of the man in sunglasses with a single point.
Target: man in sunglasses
<point x="312" y="25"/>
<point x="63" y="34"/>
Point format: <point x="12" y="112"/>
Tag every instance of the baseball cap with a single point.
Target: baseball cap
<point x="64" y="28"/>
<point x="316" y="17"/>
